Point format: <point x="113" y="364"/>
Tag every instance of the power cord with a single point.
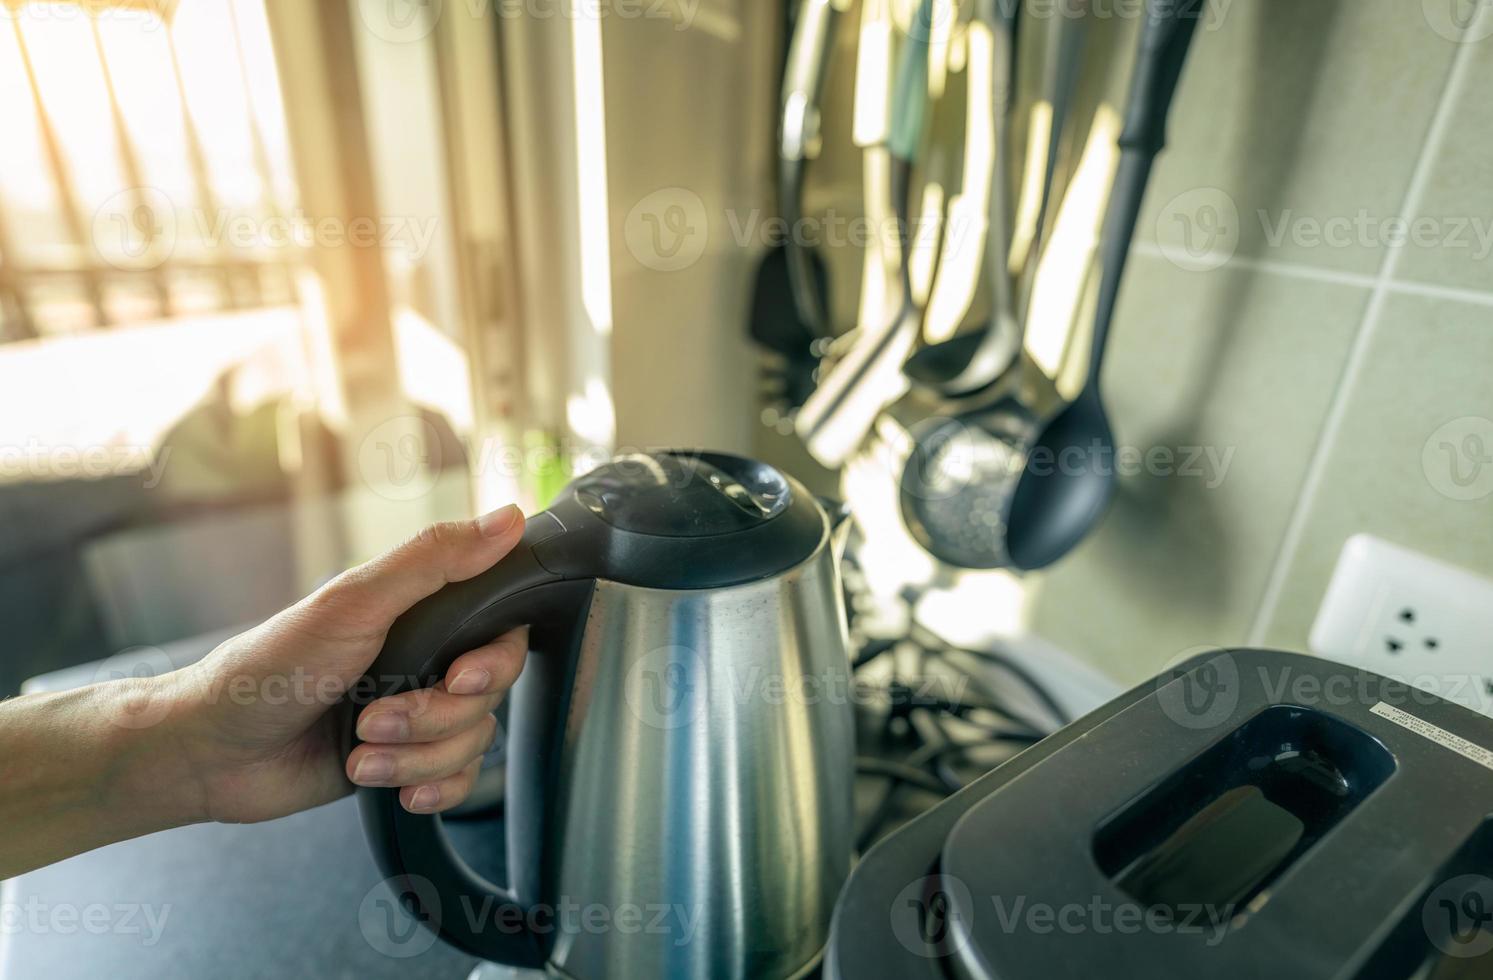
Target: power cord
<point x="940" y="731"/>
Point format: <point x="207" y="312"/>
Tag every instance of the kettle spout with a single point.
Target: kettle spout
<point x="838" y="513"/>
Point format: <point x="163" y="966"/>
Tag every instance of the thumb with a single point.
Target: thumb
<point x="365" y="600"/>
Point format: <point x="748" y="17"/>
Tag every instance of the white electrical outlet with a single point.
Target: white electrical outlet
<point x="1406" y="616"/>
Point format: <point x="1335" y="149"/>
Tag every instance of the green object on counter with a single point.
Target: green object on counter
<point x="548" y="469"/>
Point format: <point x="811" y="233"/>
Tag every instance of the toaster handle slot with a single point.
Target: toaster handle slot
<point x="1217" y="833"/>
<point x="1219" y="854"/>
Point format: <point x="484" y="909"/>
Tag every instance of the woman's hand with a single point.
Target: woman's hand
<point x="264" y="742"/>
<point x="253" y="731"/>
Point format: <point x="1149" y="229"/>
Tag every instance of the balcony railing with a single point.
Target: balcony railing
<point x="130" y="221"/>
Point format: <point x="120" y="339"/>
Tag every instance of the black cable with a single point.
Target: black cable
<point x="941" y="758"/>
<point x="937" y="741"/>
<point x="1028" y="680"/>
<point x="933" y="766"/>
<point x="909" y="773"/>
<point x="871" y="650"/>
<point x="900" y="773"/>
<point x="883" y="808"/>
<point x="907" y="703"/>
<point x="904" y="698"/>
<point x="999" y="705"/>
<point x="995" y="736"/>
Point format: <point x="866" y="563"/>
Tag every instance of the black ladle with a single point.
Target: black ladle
<point x="1056" y="502"/>
<point x="997" y="486"/>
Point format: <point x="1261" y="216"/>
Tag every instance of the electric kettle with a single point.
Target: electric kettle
<point x="680" y="741"/>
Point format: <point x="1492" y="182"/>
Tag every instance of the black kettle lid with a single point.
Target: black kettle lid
<point x="684" y="496"/>
<point x="688" y="519"/>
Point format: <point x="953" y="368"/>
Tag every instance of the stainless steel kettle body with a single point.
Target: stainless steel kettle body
<point x="706" y="777"/>
<point x="680" y="744"/>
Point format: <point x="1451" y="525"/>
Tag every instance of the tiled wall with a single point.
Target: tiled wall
<point x="1346" y="369"/>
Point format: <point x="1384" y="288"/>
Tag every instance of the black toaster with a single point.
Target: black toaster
<point x="1247" y="814"/>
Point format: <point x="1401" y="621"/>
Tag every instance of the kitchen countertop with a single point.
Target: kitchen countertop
<point x="298" y="896"/>
<point x="293" y="897"/>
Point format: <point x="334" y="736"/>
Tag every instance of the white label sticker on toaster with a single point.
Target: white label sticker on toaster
<point x="1442" y="737"/>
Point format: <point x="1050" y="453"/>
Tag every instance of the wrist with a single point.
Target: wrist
<point x="145" y="725"/>
<point x="91" y="766"/>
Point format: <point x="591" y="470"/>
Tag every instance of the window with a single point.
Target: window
<point x="146" y="168"/>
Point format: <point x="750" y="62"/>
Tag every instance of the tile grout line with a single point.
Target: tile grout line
<point x="1313" y="273"/>
<point x="1459" y="294"/>
<point x="1317" y="466"/>
<point x="1294" y="270"/>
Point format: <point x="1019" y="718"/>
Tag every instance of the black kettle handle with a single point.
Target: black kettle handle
<point x="431" y="879"/>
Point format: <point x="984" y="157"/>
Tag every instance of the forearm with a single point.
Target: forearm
<point x="88" y="767"/>
<point x="254" y="731"/>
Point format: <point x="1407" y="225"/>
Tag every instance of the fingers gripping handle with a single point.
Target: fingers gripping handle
<point x="424" y="641"/>
<point x="412" y="850"/>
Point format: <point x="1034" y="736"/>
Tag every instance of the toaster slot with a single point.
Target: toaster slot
<point x="1217" y="832"/>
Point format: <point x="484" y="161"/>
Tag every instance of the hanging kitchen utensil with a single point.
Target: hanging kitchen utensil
<point x="967" y="363"/>
<point x="997" y="486"/>
<point x="1060" y="69"/>
<point x="790" y="311"/>
<point x="836" y="417"/>
<point x="873" y="372"/>
<point x="803" y="88"/>
<point x="789" y="301"/>
<point x="1055" y="505"/>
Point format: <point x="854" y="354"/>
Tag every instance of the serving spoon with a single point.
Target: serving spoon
<point x="1055" y="504"/>
<point x="998" y="486"/>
